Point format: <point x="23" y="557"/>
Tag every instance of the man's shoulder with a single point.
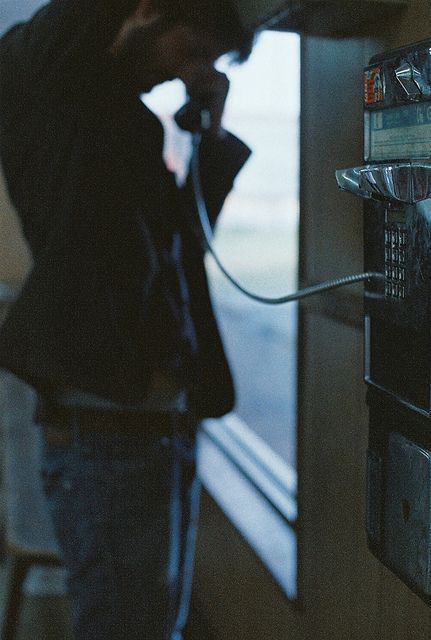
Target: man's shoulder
<point x="63" y="40"/>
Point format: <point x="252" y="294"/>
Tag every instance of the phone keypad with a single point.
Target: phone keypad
<point x="395" y="261"/>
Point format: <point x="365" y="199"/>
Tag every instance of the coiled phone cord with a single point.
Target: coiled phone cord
<point x="208" y="242"/>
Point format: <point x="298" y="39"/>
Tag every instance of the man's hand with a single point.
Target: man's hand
<point x="207" y="89"/>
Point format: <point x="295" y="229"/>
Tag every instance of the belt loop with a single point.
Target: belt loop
<point x="75" y="424"/>
<point x="40" y="410"/>
<point x="186" y="423"/>
<point x="174" y="424"/>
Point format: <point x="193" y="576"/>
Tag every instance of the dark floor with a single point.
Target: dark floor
<point x="45" y="611"/>
<point x="46" y="616"/>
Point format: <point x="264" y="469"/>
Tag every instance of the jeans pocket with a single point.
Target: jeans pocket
<point x="55" y="471"/>
<point x="187" y="448"/>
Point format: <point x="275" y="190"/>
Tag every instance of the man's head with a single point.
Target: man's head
<point x="162" y="36"/>
<point x="218" y="19"/>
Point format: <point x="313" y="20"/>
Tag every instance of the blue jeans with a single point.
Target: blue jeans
<point x="125" y="513"/>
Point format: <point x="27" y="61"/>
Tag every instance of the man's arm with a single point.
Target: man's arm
<point x="220" y="160"/>
<point x="221" y="154"/>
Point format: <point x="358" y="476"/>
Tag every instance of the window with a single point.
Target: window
<point x="257" y="239"/>
<point x="13" y="11"/>
<point x="254" y="449"/>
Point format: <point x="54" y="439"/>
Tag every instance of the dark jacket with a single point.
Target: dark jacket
<point x="82" y="158"/>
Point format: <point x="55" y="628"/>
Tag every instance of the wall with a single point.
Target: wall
<point x="346" y="593"/>
<point x="14" y="255"/>
<point x="411" y="25"/>
<point x="15" y="259"/>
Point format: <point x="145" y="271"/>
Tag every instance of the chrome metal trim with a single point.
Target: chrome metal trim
<point x="405" y="182"/>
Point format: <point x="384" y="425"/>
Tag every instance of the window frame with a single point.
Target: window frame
<point x="257" y="491"/>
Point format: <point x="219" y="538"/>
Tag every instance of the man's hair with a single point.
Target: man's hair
<point x="217" y="17"/>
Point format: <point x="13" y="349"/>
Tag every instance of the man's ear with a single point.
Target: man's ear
<point x="143" y="16"/>
<point x="145" y="13"/>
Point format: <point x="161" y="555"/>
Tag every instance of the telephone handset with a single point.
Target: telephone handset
<point x="194" y="116"/>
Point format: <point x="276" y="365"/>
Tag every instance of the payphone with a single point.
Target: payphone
<point x="396" y="187"/>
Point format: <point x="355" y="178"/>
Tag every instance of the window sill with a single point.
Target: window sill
<point x="257" y="492"/>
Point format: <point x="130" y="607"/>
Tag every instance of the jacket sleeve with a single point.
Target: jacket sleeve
<point x="220" y="160"/>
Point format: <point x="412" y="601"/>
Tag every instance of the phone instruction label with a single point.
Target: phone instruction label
<point x="400" y="132"/>
<point x="374" y="85"/>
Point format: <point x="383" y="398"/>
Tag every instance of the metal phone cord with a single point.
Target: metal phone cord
<point x="207" y="239"/>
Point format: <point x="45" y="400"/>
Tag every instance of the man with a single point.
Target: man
<point x="114" y="326"/>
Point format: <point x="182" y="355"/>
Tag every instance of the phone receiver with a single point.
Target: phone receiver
<point x="194" y="116"/>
